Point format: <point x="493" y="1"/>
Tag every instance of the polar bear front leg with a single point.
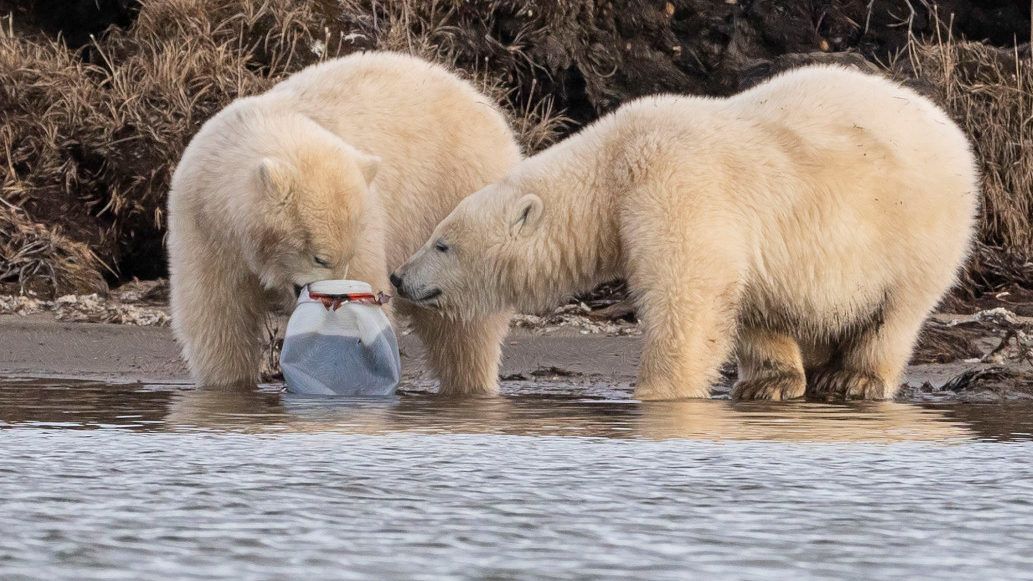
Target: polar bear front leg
<point x="688" y="317"/>
<point x="770" y="366"/>
<point x="463" y="355"/>
<point x="217" y="318"/>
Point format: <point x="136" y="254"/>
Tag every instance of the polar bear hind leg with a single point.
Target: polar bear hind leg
<point x="869" y="363"/>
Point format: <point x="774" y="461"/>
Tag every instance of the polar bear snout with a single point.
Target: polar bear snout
<point x="399" y="283"/>
<point x="419" y="294"/>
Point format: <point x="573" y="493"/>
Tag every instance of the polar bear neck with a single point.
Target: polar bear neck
<point x="577" y="246"/>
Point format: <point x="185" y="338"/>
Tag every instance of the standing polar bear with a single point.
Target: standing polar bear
<point x="810" y="224"/>
<point x="340" y="171"/>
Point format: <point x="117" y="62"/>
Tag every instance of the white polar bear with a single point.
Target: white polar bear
<point x="810" y="224"/>
<point x="342" y="170"/>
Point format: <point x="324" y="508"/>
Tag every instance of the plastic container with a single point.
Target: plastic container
<point x="339" y="342"/>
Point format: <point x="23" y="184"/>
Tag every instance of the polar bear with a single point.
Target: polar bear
<point x="340" y="171"/>
<point x="809" y="225"/>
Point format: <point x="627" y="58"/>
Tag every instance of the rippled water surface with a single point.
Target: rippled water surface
<point x="136" y="481"/>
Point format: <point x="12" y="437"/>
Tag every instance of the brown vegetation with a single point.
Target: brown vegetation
<point x="38" y="258"/>
<point x="90" y="144"/>
<point x="989" y="92"/>
<point x="90" y="128"/>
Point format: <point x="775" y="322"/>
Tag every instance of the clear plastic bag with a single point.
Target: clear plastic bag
<point x="339" y="342"/>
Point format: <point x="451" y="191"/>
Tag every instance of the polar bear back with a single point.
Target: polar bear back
<point x="439" y="138"/>
<point x="840" y="188"/>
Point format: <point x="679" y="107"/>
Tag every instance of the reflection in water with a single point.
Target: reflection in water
<point x="143" y="407"/>
<point x="867" y="422"/>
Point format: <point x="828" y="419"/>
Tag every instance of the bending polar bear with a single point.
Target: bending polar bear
<point x="342" y="170"/>
<point x="810" y="223"/>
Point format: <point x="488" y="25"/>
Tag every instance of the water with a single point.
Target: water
<point x="137" y="481"/>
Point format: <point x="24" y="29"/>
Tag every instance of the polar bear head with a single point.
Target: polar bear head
<point x="312" y="199"/>
<point x="482" y="257"/>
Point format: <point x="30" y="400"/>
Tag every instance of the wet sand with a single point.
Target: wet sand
<point x="40" y="346"/>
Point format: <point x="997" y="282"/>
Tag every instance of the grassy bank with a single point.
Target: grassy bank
<point x="989" y="92"/>
<point x="91" y="129"/>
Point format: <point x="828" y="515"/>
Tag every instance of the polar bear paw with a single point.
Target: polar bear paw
<point x="844" y="384"/>
<point x="669" y="391"/>
<point x="776" y="387"/>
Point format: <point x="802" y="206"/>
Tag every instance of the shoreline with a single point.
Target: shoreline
<point x="39" y="346"/>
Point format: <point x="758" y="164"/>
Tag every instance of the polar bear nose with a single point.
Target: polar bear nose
<point x="396" y="281"/>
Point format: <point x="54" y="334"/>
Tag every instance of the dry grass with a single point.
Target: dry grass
<point x="88" y="145"/>
<point x="989" y="92"/>
<point x="37" y="258"/>
<point x="91" y="146"/>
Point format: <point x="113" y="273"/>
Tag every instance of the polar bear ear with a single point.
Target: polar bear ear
<point x="369" y="164"/>
<point x="276" y="177"/>
<point x="525" y="215"/>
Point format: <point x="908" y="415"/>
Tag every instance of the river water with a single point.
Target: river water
<point x="149" y="481"/>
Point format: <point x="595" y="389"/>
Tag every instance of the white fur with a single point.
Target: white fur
<point x="808" y="224"/>
<point x="355" y="160"/>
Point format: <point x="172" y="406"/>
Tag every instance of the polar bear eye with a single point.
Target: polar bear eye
<point x="440" y="246"/>
<point x="319" y="260"/>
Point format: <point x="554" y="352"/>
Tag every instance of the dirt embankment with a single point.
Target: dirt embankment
<point x="99" y="97"/>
